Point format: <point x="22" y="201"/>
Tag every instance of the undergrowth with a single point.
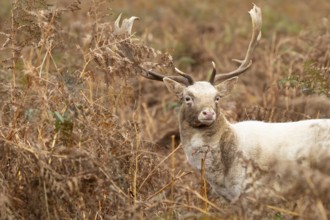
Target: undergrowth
<point x="82" y="136"/>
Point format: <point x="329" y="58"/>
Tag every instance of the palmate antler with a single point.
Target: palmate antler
<point x="245" y="64"/>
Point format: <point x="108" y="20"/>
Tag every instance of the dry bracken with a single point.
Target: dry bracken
<point x="77" y="137"/>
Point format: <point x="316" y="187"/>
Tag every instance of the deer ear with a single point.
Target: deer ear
<point x="174" y="87"/>
<point x="225" y="87"/>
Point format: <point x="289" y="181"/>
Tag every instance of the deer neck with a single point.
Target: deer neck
<point x="216" y="143"/>
<point x="209" y="134"/>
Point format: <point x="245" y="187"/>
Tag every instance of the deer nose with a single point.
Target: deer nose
<point x="208" y="114"/>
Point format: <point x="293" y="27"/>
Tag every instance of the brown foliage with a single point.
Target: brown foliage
<point x="78" y="126"/>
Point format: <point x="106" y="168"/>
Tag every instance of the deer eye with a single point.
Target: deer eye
<point x="187" y="99"/>
<point x="217" y="99"/>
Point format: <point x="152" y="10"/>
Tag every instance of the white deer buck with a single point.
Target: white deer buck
<point x="205" y="132"/>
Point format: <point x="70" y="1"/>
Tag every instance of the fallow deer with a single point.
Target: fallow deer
<point x="206" y="133"/>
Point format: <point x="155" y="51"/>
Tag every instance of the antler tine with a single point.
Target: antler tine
<point x="245" y="64"/>
<point x="213" y="74"/>
<point x="185" y="75"/>
<point x="158" y="77"/>
<point x="151" y="75"/>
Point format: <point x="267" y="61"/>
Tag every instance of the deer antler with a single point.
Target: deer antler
<point x="245" y="64"/>
<point x="185" y="75"/>
<point x="183" y="78"/>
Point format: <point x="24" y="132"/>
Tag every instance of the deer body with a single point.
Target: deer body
<point x="289" y="141"/>
<point x="222" y="145"/>
<point x="206" y="134"/>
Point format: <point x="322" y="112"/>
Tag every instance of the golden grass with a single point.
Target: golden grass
<point x="82" y="136"/>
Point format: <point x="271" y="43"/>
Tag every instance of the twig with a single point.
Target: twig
<point x="161" y="162"/>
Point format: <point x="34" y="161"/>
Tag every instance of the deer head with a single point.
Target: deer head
<point x="200" y="99"/>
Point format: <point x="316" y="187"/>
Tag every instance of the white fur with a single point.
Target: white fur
<point x="202" y="88"/>
<point x="267" y="144"/>
<point x="193" y="152"/>
<point x="197" y="149"/>
<point x="226" y="146"/>
<point x="262" y="143"/>
<point x="281" y="141"/>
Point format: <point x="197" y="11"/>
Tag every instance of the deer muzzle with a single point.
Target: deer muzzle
<point x="207" y="116"/>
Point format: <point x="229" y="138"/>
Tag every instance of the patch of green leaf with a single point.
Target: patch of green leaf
<point x="312" y="81"/>
<point x="278" y="216"/>
<point x="64" y="126"/>
<point x="172" y="105"/>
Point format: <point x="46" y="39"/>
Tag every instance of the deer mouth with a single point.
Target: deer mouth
<point x="206" y="121"/>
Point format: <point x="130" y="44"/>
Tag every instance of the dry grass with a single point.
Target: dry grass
<point x="82" y="136"/>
